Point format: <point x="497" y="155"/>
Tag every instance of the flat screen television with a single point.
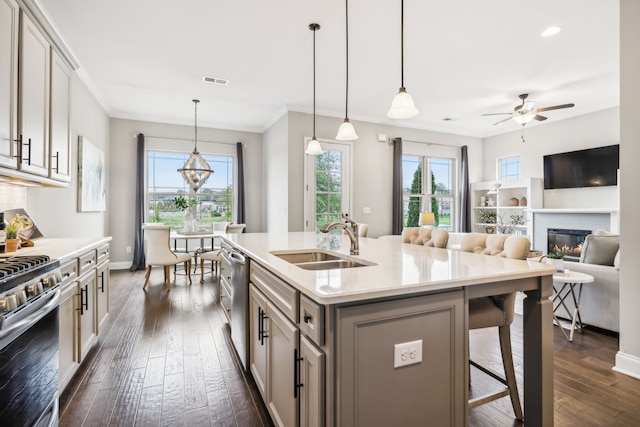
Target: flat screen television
<point x="594" y="167"/>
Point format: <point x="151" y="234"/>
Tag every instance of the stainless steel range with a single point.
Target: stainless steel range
<point x="29" y="301"/>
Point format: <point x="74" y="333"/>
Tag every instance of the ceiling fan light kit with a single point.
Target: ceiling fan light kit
<point x="525" y="112"/>
<point x="402" y="106"/>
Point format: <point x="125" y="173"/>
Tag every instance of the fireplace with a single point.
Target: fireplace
<point x="567" y="242"/>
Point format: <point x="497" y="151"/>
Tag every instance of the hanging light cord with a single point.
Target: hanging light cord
<point x="314" y="27"/>
<point x="195" y="141"/>
<point x="346" y="101"/>
<point x="402" y="43"/>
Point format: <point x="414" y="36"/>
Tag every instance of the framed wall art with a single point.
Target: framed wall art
<point x="92" y="196"/>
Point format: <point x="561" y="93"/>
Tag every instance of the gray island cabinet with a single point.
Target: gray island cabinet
<point x="385" y="343"/>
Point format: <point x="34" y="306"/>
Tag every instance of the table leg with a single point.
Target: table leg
<point x="538" y="354"/>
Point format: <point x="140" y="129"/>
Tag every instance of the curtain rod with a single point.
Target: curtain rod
<point x="188" y="139"/>
<point x="423" y="142"/>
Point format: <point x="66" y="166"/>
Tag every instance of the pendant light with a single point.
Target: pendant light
<point x="402" y="106"/>
<point x="196" y="170"/>
<point x="346" y="131"/>
<point x="314" y="148"/>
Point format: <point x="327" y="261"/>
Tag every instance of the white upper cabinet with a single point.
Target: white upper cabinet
<point x="9" y="15"/>
<point x="33" y="120"/>
<point x="60" y="164"/>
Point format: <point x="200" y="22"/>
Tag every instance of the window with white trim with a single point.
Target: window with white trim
<point x="508" y="168"/>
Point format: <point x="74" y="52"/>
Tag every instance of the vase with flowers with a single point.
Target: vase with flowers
<point x="184" y="204"/>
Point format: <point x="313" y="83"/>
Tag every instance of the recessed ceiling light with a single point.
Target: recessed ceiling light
<point x="215" y="80"/>
<point x="551" y="31"/>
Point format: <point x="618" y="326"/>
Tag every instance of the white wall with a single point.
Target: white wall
<point x="54" y="210"/>
<point x="628" y="357"/>
<point x="591" y="130"/>
<point x="275" y="166"/>
<point x="123" y="174"/>
<point x="372" y="165"/>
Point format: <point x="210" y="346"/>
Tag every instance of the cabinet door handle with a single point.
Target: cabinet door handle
<point x="307" y="318"/>
<point x="263" y="333"/>
<point x="260" y="324"/>
<point x="28" y="144"/>
<point x="82" y="292"/>
<point x="57" y="156"/>
<point x="296" y="373"/>
<point x="102" y="282"/>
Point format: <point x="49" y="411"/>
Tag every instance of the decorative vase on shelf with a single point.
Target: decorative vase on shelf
<point x="513" y="201"/>
<point x="523" y="201"/>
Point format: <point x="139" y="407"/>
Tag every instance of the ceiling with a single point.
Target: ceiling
<point x="145" y="59"/>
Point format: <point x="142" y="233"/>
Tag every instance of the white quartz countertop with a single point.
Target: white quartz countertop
<point x="400" y="268"/>
<point x="61" y="249"/>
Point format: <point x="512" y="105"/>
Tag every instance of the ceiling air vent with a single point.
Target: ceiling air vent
<point x="215" y="80"/>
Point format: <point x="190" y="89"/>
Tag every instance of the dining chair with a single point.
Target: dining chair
<point x="497" y="311"/>
<point x="216" y="256"/>
<point x="158" y="252"/>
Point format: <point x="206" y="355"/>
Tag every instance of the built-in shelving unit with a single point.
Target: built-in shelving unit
<point x="512" y="197"/>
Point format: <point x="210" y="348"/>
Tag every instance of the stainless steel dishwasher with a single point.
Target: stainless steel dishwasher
<point x="239" y="303"/>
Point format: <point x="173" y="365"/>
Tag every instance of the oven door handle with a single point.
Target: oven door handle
<point x="29" y="316"/>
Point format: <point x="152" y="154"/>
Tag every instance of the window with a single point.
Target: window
<point x="215" y="198"/>
<point x="508" y="168"/>
<point x="432" y="191"/>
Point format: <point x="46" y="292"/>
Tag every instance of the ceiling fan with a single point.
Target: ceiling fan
<point x="526" y="111"/>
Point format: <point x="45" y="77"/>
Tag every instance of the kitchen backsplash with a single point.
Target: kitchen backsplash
<point x="12" y="197"/>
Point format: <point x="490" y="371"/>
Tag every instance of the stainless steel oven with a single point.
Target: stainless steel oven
<point x="29" y="301"/>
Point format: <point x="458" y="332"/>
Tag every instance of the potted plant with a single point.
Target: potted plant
<point x="487" y="216"/>
<point x="555" y="259"/>
<point x="184" y="205"/>
<point x="12" y="237"/>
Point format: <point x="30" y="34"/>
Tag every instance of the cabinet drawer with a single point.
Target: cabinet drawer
<point x="280" y="293"/>
<point x="86" y="262"/>
<point x="312" y="319"/>
<point x="69" y="272"/>
<point x="103" y="253"/>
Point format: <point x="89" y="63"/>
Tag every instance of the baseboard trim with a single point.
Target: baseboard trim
<point x="627" y="364"/>
<point x="120" y="265"/>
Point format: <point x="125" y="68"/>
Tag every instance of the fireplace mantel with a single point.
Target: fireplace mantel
<point x="577" y="210"/>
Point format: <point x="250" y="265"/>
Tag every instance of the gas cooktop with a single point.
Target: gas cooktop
<point x="16" y="270"/>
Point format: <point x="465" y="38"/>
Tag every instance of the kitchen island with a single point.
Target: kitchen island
<point x="385" y="343"/>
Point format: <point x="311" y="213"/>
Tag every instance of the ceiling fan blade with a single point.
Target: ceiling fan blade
<point x="502" y="121"/>
<point x="495" y="114"/>
<point x="539" y="117"/>
<point x="556" y="107"/>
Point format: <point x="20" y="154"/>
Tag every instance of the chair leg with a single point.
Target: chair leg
<point x="146" y="277"/>
<point x="507" y="361"/>
<point x="189" y="270"/>
<point x="201" y="270"/>
<point x="167" y="275"/>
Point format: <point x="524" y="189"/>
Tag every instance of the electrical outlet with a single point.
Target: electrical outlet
<point x="128" y="249"/>
<point x="407" y="353"/>
<point x="366" y="210"/>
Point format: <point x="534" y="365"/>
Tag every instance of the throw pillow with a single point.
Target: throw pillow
<point x="599" y="250"/>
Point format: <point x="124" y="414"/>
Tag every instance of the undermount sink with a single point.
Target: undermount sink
<point x="310" y="259"/>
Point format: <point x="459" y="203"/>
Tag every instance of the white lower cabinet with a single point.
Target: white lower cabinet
<point x="287" y="367"/>
<point x="84" y="307"/>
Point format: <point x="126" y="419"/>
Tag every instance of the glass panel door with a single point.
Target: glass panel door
<point x="328" y="185"/>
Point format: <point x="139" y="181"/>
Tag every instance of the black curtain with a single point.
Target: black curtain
<point x="465" y="205"/>
<point x="138" y="251"/>
<point x="396" y="214"/>
<point x="240" y="213"/>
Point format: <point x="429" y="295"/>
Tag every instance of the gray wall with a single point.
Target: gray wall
<point x="372" y="165"/>
<point x="54" y="210"/>
<point x="123" y="169"/>
<point x="275" y="165"/>
<point x="590" y="130"/>
<point x="628" y="358"/>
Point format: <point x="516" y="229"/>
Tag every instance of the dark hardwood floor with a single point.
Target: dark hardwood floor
<point x="165" y="358"/>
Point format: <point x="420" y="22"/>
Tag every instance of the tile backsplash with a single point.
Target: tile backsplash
<point x="12" y="197"/>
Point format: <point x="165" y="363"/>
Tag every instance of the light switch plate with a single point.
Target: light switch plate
<point x="366" y="210"/>
<point x="407" y="353"/>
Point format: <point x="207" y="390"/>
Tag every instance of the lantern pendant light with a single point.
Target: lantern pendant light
<point x="402" y="106"/>
<point x="346" y="131"/>
<point x="314" y="148"/>
<point x="196" y="170"/>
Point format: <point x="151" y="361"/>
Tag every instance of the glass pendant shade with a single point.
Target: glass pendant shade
<point x="196" y="170"/>
<point x="346" y="132"/>
<point x="314" y="147"/>
<point x="402" y="106"/>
